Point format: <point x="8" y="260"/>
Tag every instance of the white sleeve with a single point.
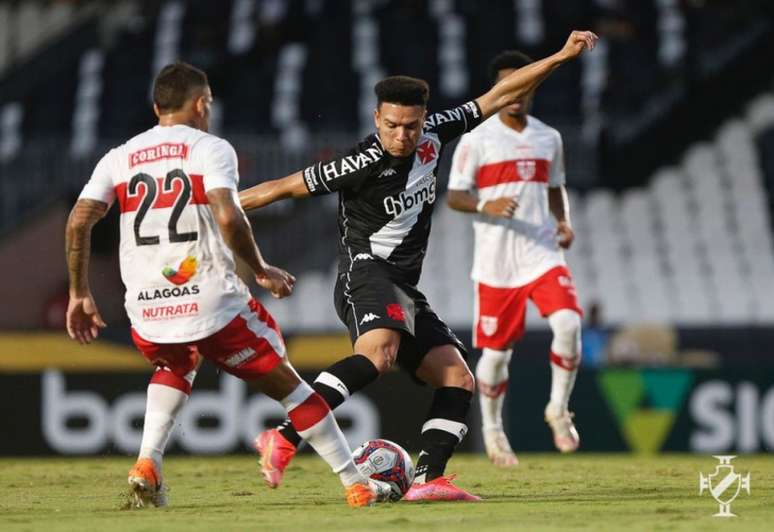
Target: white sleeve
<point x="220" y="166"/>
<point x="556" y="177"/>
<point x="100" y="186"/>
<point x="464" y="165"/>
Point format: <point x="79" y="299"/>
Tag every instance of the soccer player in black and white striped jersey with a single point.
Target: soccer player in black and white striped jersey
<point x="387" y="191"/>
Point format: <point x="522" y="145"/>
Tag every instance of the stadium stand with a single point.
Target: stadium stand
<point x="685" y="238"/>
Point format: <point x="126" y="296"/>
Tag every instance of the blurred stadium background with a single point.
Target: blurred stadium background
<point x="669" y="138"/>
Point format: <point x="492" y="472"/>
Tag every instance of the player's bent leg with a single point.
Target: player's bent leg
<point x="314" y="422"/>
<point x="336" y="383"/>
<point x="444" y="369"/>
<point x="565" y="358"/>
<point x="168" y="391"/>
<point x="492" y="377"/>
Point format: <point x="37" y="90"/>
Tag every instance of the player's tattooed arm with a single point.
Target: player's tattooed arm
<point x="462" y="200"/>
<point x="83" y="318"/>
<point x="268" y="192"/>
<point x="238" y="235"/>
<point x="526" y="79"/>
<point x="559" y="205"/>
<point x="83" y="216"/>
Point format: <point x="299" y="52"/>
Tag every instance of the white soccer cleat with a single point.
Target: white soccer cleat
<point x="566" y="437"/>
<point x="146" y="486"/>
<point x="498" y="448"/>
<point x="381" y="489"/>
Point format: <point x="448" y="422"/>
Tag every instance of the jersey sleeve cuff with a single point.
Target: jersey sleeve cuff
<point x="212" y="182"/>
<point x="314" y="185"/>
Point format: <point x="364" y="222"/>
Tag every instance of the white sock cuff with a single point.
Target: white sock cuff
<point x="297" y="396"/>
<point x="446" y="425"/>
<point x="331" y="380"/>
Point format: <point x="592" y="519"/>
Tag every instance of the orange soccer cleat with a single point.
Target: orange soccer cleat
<point x="276" y="453"/>
<point x="360" y="495"/>
<point x="146" y="486"/>
<point x="439" y="489"/>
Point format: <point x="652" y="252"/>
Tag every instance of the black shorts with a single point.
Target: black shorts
<point x="370" y="296"/>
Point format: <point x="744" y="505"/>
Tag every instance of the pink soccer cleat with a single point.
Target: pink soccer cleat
<point x="566" y="438"/>
<point x="276" y="453"/>
<point x="439" y="489"/>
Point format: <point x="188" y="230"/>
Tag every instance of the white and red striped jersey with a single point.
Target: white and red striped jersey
<point x="180" y="276"/>
<point x="494" y="161"/>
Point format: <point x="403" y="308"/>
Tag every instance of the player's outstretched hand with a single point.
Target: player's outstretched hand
<point x="565" y="235"/>
<point x="83" y="319"/>
<point x="277" y="281"/>
<point x="501" y="207"/>
<point x="579" y="41"/>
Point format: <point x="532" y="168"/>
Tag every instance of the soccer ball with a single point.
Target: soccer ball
<point x="386" y="461"/>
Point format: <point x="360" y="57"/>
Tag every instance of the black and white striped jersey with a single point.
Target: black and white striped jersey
<point x="385" y="202"/>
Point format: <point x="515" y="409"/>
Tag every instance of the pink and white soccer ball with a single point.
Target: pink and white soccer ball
<point x="386" y="461"/>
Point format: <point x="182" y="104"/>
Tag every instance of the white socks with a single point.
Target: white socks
<point x="565" y="357"/>
<point x="163" y="404"/>
<point x="314" y="421"/>
<point x="492" y="377"/>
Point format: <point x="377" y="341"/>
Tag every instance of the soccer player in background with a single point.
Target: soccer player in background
<point x="181" y="231"/>
<point x="386" y="186"/>
<point x="509" y="173"/>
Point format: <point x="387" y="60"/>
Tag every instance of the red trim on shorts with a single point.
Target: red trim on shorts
<point x="570" y="364"/>
<point x="309" y="413"/>
<point x="165" y="377"/>
<point x="127" y="203"/>
<point x="513" y="171"/>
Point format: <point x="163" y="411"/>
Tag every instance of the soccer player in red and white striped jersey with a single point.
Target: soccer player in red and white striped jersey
<point x="509" y="172"/>
<point x="181" y="231"/>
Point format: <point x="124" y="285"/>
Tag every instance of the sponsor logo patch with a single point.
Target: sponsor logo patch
<point x="166" y="312"/>
<point x="184" y="272"/>
<point x="239" y="357"/>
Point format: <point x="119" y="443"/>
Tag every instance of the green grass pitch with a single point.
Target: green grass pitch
<point x="546" y="492"/>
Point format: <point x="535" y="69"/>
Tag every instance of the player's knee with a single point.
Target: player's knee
<point x="467" y="381"/>
<point x="383" y="355"/>
<point x="460" y="376"/>
<point x="566" y="326"/>
<point x="497" y="357"/>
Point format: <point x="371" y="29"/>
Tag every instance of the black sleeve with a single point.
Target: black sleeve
<point x="347" y="171"/>
<point x="452" y="123"/>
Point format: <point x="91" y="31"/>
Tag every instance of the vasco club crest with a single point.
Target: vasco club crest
<point x="724" y="485"/>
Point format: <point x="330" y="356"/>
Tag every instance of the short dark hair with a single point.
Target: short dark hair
<point x="507" y="60"/>
<point x="176" y="84"/>
<point x="402" y="90"/>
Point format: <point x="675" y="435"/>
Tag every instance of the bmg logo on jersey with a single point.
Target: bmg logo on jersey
<point x="422" y="192"/>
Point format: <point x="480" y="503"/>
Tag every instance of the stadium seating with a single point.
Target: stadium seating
<point x="693" y="246"/>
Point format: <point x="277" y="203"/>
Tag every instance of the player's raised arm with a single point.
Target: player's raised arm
<point x="238" y="235"/>
<point x="83" y="318"/>
<point x="526" y="79"/>
<point x="268" y="192"/>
